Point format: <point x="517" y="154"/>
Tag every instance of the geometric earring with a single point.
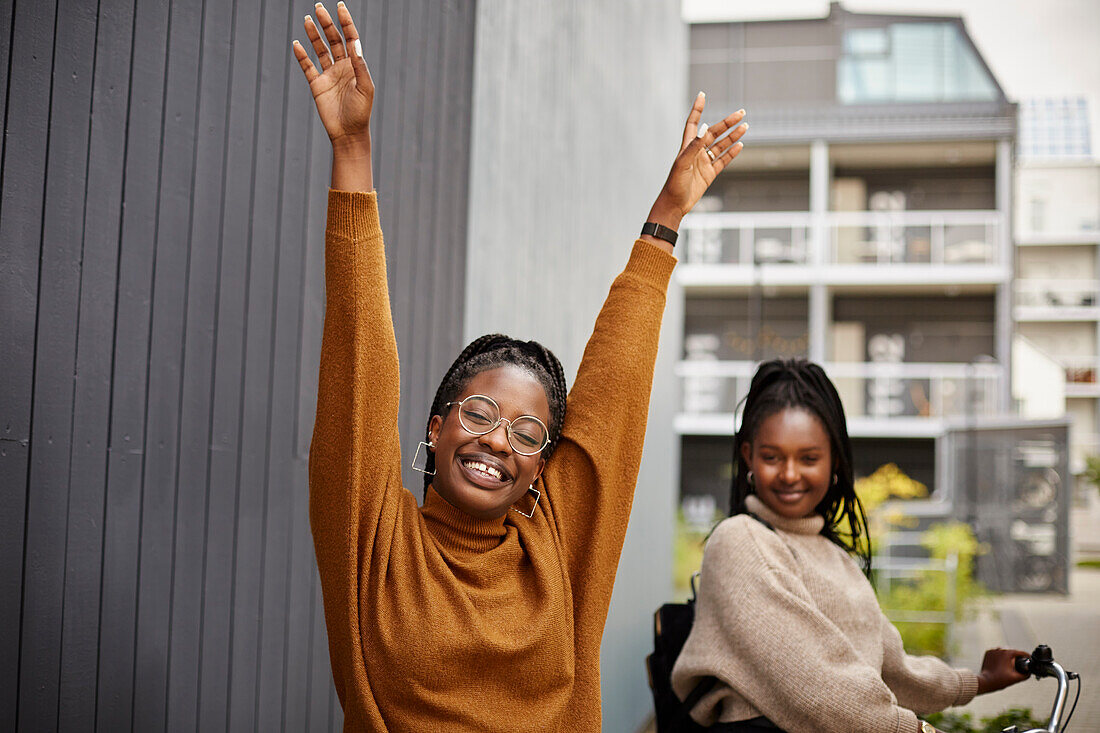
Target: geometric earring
<point x="538" y="495"/>
<point x="416" y="457"/>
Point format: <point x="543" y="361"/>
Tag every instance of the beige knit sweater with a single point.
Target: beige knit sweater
<point x="792" y="630"/>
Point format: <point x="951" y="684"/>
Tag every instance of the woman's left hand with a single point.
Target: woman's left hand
<point x="698" y="163"/>
<point x="999" y="670"/>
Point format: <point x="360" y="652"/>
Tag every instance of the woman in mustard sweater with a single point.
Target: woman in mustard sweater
<point x="483" y="609"/>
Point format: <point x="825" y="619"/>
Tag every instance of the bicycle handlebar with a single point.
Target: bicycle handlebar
<point x="1041" y="664"/>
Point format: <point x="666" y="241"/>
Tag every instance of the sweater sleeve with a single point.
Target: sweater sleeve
<point x="759" y="632"/>
<point x="593" y="472"/>
<point x="354" y="457"/>
<point x="923" y="684"/>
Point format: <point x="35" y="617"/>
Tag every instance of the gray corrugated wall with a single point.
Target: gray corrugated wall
<point x="161" y="218"/>
<point x="578" y="112"/>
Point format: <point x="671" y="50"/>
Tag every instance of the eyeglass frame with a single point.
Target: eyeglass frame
<point x="501" y="419"/>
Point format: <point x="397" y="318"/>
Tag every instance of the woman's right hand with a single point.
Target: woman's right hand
<point x="344" y="94"/>
<point x="343" y="90"/>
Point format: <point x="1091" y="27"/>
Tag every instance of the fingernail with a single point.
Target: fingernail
<point x="741" y="111"/>
<point x="701" y="94"/>
<point x="745" y="126"/>
<point x="702" y="130"/>
<point x="340" y="4"/>
<point x="358" y="46"/>
<point x="308" y="19"/>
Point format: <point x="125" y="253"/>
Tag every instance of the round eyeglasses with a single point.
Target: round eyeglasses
<point x="480" y="415"/>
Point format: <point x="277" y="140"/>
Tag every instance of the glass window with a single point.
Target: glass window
<point x="911" y="62"/>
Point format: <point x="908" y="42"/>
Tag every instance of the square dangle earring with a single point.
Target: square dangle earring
<point x="416" y="457"/>
<point x="538" y="495"/>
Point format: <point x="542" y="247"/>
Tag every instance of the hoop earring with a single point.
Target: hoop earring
<point x="416" y="456"/>
<point x="531" y="490"/>
<point x="835" y="479"/>
<point x="750" y="479"/>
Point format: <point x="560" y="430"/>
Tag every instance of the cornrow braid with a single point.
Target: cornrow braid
<point x="490" y="352"/>
<point x="782" y="384"/>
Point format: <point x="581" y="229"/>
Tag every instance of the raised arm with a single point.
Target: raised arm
<point x="607" y="407"/>
<point x="354" y="460"/>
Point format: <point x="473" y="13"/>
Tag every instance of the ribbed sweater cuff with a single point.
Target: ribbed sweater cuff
<point x="651" y="263"/>
<point x="968" y="687"/>
<point x="353" y="214"/>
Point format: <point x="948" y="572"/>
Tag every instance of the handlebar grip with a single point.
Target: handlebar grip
<point x="1023" y="665"/>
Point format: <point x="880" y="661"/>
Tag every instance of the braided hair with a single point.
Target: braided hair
<point x="490" y="352"/>
<point x="782" y="384"/>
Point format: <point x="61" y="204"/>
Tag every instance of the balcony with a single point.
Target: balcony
<point x="880" y="399"/>
<point x="1082" y="375"/>
<point x="858" y="248"/>
<point x="1048" y="299"/>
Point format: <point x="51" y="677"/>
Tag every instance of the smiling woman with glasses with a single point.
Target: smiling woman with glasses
<point x="482" y="609"/>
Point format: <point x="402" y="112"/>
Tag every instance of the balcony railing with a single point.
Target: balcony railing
<point x="868" y="390"/>
<point x="1082" y="373"/>
<point x="846" y="238"/>
<point x="1056" y="293"/>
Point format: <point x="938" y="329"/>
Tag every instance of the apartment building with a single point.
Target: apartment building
<point x="1057" y="233"/>
<point x="866" y="226"/>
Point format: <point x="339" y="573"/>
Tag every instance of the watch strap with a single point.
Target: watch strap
<point x="660" y="231"/>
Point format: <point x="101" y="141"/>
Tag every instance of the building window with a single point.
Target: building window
<point x="911" y="62"/>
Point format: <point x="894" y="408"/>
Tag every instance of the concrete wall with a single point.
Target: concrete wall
<point x="1038" y="382"/>
<point x="1057" y="199"/>
<point x="578" y="111"/>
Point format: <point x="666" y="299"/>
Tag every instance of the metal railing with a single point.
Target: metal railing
<point x="1057" y="293"/>
<point x="867" y="389"/>
<point x="888" y="569"/>
<point x="845" y="238"/>
<point x="1080" y="370"/>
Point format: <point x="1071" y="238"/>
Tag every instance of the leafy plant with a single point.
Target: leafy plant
<point x="964" y="723"/>
<point x="1092" y="470"/>
<point x="927" y="590"/>
<point x="687" y="553"/>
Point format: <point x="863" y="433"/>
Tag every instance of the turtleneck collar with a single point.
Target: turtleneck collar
<point x="805" y="525"/>
<point x="457" y="530"/>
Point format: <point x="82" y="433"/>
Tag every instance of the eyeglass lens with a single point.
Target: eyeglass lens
<point x="480" y="415"/>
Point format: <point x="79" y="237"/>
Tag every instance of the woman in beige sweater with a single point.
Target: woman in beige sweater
<point x="483" y="609"/>
<point x="786" y="620"/>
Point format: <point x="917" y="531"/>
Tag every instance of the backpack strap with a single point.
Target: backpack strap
<point x="706" y="684"/>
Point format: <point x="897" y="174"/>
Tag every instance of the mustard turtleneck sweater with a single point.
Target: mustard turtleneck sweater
<point x="438" y="621"/>
<point x="791" y="628"/>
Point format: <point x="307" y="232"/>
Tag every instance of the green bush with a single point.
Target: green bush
<point x="963" y="722"/>
<point x="687" y="554"/>
<point x="928" y="590"/>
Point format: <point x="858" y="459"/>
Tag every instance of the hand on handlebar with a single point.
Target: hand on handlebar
<point x="999" y="670"/>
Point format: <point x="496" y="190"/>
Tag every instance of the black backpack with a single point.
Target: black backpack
<point x="671" y="626"/>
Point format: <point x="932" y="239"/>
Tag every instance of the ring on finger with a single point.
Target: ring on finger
<point x="711" y="154"/>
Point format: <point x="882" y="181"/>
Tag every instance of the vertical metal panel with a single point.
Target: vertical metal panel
<point x="166" y="353"/>
<point x="122" y="521"/>
<point x="217" y="638"/>
<point x="159" y="367"/>
<point x="196" y="403"/>
<point x="579" y="109"/>
<point x="51" y="428"/>
<point x="20" y="234"/>
<point x="93" y="366"/>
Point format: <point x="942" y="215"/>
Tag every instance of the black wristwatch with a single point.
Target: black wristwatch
<point x="660" y="231"/>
